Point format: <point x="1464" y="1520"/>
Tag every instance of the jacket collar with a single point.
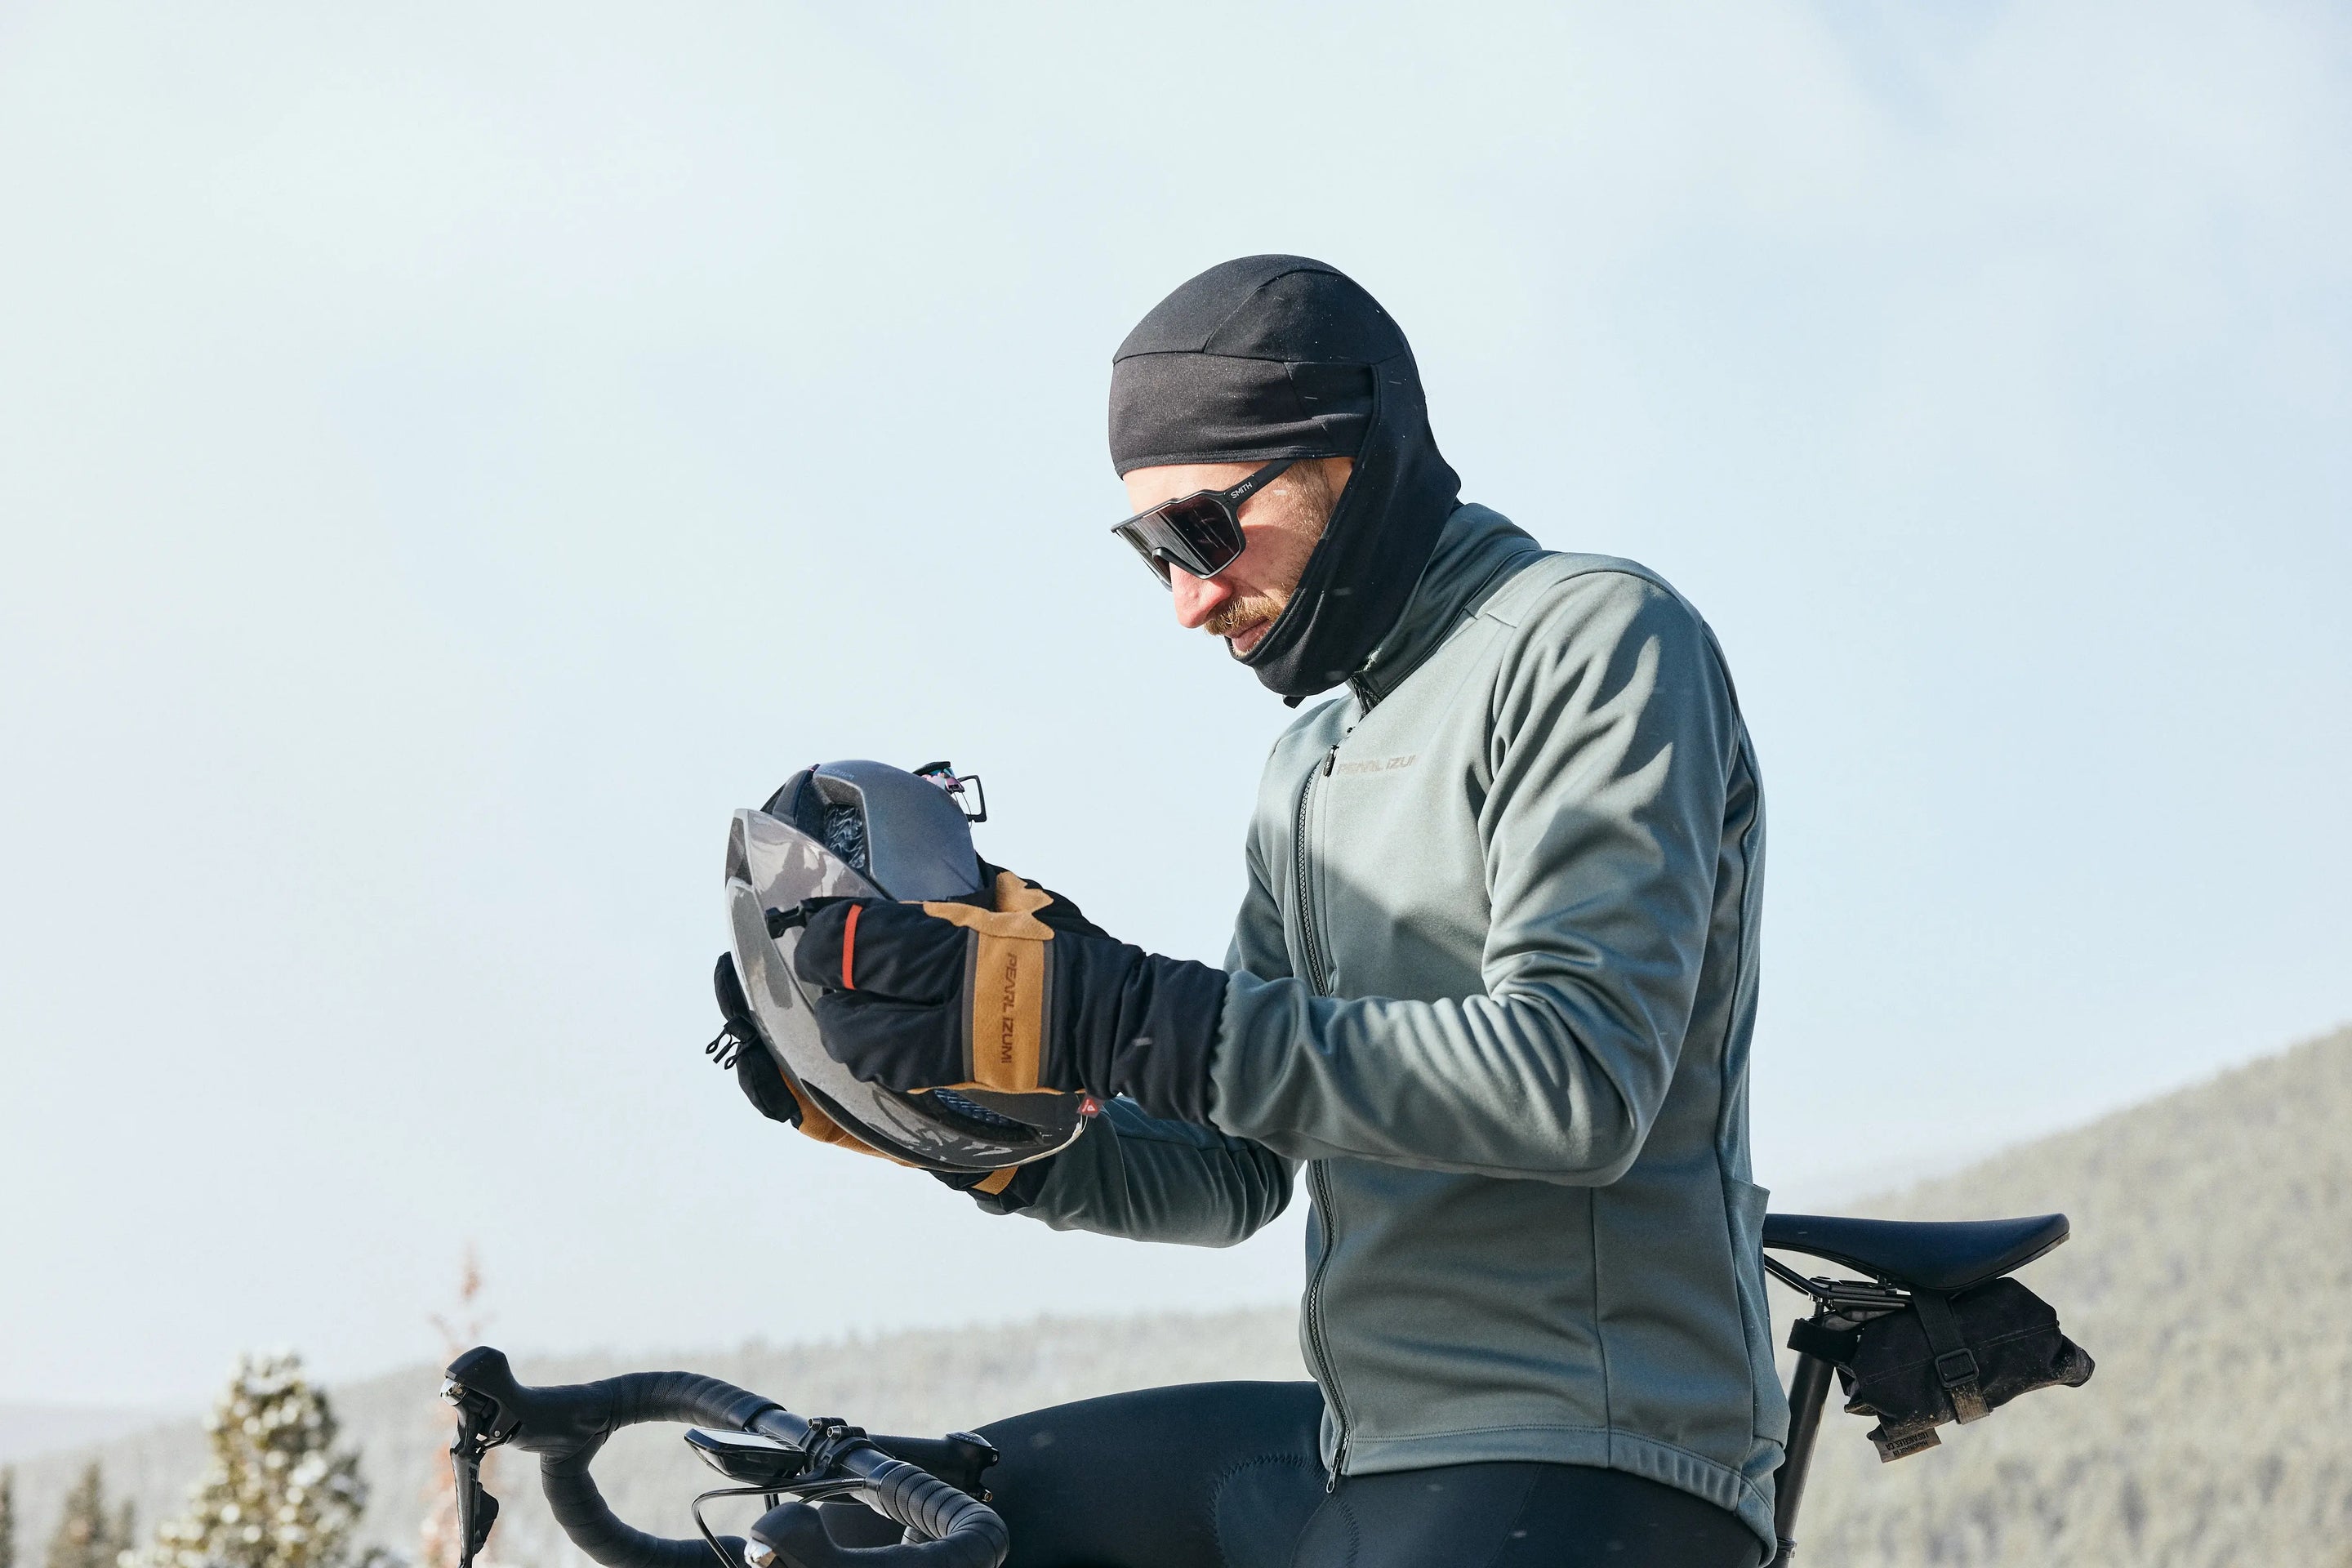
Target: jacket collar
<point x="1476" y="552"/>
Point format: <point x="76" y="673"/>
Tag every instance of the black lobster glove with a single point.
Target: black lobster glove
<point x="739" y="1045"/>
<point x="1062" y="1010"/>
<point x="741" y="1048"/>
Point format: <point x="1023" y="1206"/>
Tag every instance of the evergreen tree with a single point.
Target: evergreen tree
<point x="124" y="1540"/>
<point x="84" y="1537"/>
<point x="7" y="1518"/>
<point x="277" y="1494"/>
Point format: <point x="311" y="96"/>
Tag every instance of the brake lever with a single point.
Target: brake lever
<point x="478" y="1431"/>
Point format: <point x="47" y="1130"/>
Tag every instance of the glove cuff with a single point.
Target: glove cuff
<point x="1019" y="1193"/>
<point x="1140" y="1026"/>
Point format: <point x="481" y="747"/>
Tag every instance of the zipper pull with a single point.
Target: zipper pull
<point x="1331" y="759"/>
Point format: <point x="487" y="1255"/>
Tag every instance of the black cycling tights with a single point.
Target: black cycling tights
<point x="1226" y="1475"/>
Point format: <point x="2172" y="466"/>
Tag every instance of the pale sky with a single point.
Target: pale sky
<point x="452" y="456"/>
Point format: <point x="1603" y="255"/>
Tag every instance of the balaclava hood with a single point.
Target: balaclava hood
<point x="1277" y="356"/>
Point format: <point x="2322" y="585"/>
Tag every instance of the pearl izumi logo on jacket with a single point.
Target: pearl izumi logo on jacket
<point x="1378" y="765"/>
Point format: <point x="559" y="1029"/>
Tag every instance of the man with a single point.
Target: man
<point x="1492" y="984"/>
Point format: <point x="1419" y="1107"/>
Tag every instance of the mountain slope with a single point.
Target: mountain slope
<point x="922" y="1382"/>
<point x="35" y="1428"/>
<point x="2211" y="1274"/>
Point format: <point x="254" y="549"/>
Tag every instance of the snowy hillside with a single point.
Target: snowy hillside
<point x="2211" y="1274"/>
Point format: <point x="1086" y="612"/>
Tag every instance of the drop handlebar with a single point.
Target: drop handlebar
<point x="566" y="1426"/>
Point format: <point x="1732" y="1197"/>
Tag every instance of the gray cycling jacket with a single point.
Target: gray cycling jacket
<point x="1493" y="983"/>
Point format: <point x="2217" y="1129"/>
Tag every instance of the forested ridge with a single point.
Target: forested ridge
<point x="2209" y="1273"/>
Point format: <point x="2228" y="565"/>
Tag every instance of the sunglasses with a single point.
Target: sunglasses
<point x="1201" y="533"/>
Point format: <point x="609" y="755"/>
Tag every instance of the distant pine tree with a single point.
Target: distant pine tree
<point x="125" y="1539"/>
<point x="277" y="1494"/>
<point x="7" y="1519"/>
<point x="84" y="1538"/>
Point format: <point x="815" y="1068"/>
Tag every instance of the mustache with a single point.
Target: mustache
<point x="1239" y="615"/>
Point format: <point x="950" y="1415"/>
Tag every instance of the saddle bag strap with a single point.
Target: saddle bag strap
<point x="1807" y="1336"/>
<point x="1955" y="1365"/>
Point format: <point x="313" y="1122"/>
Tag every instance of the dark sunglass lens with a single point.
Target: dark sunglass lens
<point x="1207" y="533"/>
<point x="1134" y="535"/>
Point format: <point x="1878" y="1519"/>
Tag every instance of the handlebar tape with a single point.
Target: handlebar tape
<point x="965" y="1532"/>
<point x="565" y="1425"/>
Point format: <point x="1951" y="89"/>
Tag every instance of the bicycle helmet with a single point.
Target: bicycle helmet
<point x="864" y="829"/>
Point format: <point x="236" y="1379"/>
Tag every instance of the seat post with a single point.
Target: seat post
<point x="1807" y="1393"/>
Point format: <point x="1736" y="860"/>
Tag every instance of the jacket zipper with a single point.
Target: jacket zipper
<point x="1302" y="881"/>
<point x="1318" y="975"/>
<point x="1324" y="1372"/>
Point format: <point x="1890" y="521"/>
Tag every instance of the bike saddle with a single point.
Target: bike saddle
<point x="1927" y="1255"/>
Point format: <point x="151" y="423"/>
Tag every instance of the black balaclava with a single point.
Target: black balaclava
<point x="1277" y="356"/>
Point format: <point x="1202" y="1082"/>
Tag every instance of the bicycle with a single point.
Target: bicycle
<point x="934" y="1490"/>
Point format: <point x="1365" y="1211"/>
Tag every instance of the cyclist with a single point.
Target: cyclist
<point x="1492" y="984"/>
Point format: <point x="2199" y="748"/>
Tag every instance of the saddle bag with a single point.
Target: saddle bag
<point x="1949" y="1358"/>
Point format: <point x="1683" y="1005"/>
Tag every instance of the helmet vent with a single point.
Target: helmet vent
<point x="844" y="835"/>
<point x="971" y="1110"/>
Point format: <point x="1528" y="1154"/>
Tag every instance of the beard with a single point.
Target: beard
<point x="1239" y="615"/>
<point x="1303" y="496"/>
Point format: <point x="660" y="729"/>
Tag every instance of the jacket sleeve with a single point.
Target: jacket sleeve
<point x="1614" y="739"/>
<point x="1149" y="1179"/>
<point x="1257" y="947"/>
